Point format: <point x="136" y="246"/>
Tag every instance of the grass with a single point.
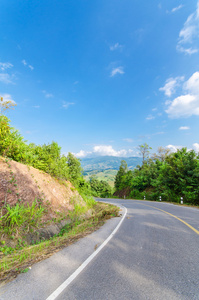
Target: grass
<point x="20" y="215"/>
<point x="20" y="260"/>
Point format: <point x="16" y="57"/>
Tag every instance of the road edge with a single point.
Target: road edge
<point x="61" y="288"/>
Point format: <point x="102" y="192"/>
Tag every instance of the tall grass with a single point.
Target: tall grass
<point x="20" y="215"/>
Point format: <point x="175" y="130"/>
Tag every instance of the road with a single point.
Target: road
<point x="153" y="255"/>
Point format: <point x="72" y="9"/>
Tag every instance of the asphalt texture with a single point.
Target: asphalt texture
<point x="153" y="255"/>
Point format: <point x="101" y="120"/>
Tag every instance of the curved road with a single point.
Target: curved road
<point x="153" y="255"/>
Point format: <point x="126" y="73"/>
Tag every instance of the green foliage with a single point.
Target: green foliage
<point x="121" y="174"/>
<point x="170" y="176"/>
<point x="11" y="142"/>
<point x="100" y="188"/>
<point x="20" y="215"/>
<point x="74" y="167"/>
<point x="47" y="158"/>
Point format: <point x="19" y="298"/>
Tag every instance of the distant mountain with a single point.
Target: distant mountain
<point x="102" y="163"/>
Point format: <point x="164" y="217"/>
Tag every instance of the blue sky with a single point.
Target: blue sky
<point x="102" y="77"/>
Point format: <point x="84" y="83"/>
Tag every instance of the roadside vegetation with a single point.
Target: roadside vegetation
<point x="32" y="227"/>
<point x="165" y="174"/>
<point x="19" y="259"/>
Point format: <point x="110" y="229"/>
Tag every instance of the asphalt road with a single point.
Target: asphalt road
<point x="153" y="255"/>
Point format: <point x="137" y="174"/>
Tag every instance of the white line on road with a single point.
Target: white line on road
<point x="60" y="289"/>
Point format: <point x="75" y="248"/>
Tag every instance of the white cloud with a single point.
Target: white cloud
<point x="184" y="106"/>
<point x="4" y="66"/>
<point x="6" y="78"/>
<point x="196" y="147"/>
<point x="67" y="104"/>
<point x="24" y="62"/>
<point x="31" y="67"/>
<point x="189" y="33"/>
<point x="184" y="128"/>
<point x="128" y="140"/>
<point x="115" y="71"/>
<point x="187" y="50"/>
<point x="173" y="148"/>
<point x="82" y="154"/>
<point x="177" y="8"/>
<point x="192" y="84"/>
<point x="47" y="95"/>
<point x="106" y="150"/>
<point x="150" y="117"/>
<point x="36" y="106"/>
<point x="176" y="148"/>
<point x="171" y="84"/>
<point x="116" y="47"/>
<point x="188" y="104"/>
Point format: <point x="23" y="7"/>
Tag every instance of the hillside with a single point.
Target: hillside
<point x="40" y="215"/>
<point x="23" y="184"/>
<point x="108" y="163"/>
<point x="106" y="167"/>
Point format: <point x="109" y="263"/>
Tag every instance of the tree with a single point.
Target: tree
<point x="144" y="151"/>
<point x="74" y="168"/>
<point x="6" y="104"/>
<point x="161" y="155"/>
<point x="100" y="188"/>
<point x="120" y="174"/>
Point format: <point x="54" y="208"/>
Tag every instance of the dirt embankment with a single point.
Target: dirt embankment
<point x="23" y="184"/>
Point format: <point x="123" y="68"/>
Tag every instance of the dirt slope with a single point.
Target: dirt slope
<point x="21" y="184"/>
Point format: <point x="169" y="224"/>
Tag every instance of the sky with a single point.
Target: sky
<point x="100" y="77"/>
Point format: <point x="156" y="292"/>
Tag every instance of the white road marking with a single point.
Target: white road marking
<point x="60" y="289"/>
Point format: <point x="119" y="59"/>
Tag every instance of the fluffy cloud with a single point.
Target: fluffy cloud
<point x="188" y="104"/>
<point x="171" y="84"/>
<point x="192" y="84"/>
<point x="173" y="148"/>
<point x="189" y="33"/>
<point x="115" y="71"/>
<point x="196" y="147"/>
<point x="184" y="128"/>
<point x="82" y="154"/>
<point x="105" y="150"/>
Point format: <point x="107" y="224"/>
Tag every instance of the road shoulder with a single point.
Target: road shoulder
<point x="46" y="276"/>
